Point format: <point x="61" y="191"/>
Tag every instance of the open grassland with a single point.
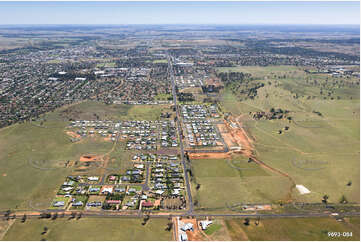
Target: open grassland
<point x="320" y="152"/>
<point x="293" y="229"/>
<point x="224" y="183"/>
<point x="92" y="110"/>
<point x="163" y="97"/>
<point x="33" y="157"/>
<point x="109" y="64"/>
<point x="90" y="229"/>
<point x="160" y="61"/>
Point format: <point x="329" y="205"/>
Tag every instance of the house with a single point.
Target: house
<point x="159" y="192"/>
<point x="148" y="204"/>
<point x="187" y="226"/>
<point x="139" y="166"/>
<point x="67" y="189"/>
<point x="94" y="204"/>
<point x="183" y="237"/>
<point x="204" y="224"/>
<point x="59" y="204"/>
<point x="114" y="201"/>
<point x="131" y="190"/>
<point x="107" y="190"/>
<point x="77" y="204"/>
<point x="119" y="189"/>
<point x="93" y="178"/>
<point x="69" y="183"/>
<point x="176" y="192"/>
<point x="94" y="189"/>
<point x="112" y="178"/>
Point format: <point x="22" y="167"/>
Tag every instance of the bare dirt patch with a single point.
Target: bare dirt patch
<point x="218" y="155"/>
<point x="85" y="158"/>
<point x="196" y="234"/>
<point x="240" y="137"/>
<point x="73" y="134"/>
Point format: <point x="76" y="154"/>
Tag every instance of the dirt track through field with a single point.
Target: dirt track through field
<point x="235" y="128"/>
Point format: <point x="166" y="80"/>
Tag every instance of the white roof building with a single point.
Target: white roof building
<point x="204" y="224"/>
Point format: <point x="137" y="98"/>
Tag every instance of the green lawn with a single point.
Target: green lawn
<point x="213" y="228"/>
<point x="293" y="229"/>
<point x="91" y="229"/>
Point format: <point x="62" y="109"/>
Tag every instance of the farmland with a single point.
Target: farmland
<point x="319" y="143"/>
<point x="293" y="229"/>
<point x="90" y="229"/>
<point x="225" y="183"/>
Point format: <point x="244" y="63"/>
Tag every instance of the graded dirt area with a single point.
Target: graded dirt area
<point x="73" y="134"/>
<point x="86" y="158"/>
<point x="196" y="234"/>
<point x="239" y="136"/>
<point x="215" y="155"/>
<point x="226" y="135"/>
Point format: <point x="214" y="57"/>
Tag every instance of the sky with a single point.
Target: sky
<point x="179" y="13"/>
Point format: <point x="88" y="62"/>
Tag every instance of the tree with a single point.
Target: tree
<point x="23" y="219"/>
<point x="45" y="230"/>
<point x="343" y="199"/>
<point x="55" y="216"/>
<point x="145" y="219"/>
<point x="45" y="215"/>
<point x="246" y="221"/>
<point x="257" y="221"/>
<point x="325" y="198"/>
<point x="7" y="214"/>
<point x="169" y="226"/>
<point x="72" y="215"/>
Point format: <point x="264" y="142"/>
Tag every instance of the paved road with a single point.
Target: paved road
<point x="171" y="76"/>
<point x="139" y="214"/>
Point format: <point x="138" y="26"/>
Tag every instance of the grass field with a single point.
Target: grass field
<point x="90" y="229"/>
<point x="163" y="97"/>
<point x="160" y="61"/>
<point x="228" y="182"/>
<point x="109" y="64"/>
<point x="320" y="152"/>
<point x="32" y="158"/>
<point x="90" y="110"/>
<point x="291" y="229"/>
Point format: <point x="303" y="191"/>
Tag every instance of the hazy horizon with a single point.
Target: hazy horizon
<point x="180" y="13"/>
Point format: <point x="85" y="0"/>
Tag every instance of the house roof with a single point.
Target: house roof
<point x="147" y="204"/>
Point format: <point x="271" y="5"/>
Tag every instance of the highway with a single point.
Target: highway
<point x="137" y="214"/>
<point x="171" y="76"/>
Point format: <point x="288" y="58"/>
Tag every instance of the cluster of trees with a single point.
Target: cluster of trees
<point x="185" y="97"/>
<point x="241" y="84"/>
